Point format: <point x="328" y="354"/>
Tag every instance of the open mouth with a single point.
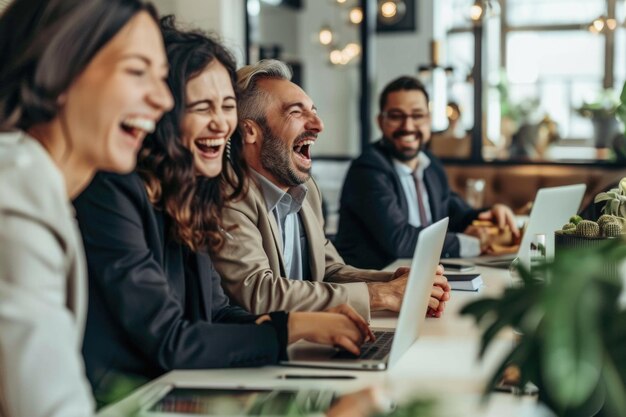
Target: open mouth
<point x="209" y="148"/>
<point x="408" y="138"/>
<point x="137" y="127"/>
<point x="303" y="149"/>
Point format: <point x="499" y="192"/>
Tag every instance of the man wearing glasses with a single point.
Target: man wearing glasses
<point x="396" y="188"/>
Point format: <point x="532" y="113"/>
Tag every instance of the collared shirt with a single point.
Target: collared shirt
<point x="469" y="245"/>
<point x="285" y="206"/>
<point x="407" y="179"/>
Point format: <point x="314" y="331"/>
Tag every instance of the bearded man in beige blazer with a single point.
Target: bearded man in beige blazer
<point x="277" y="257"/>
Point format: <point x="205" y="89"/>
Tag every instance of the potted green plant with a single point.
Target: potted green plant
<point x="572" y="331"/>
<point x="620" y="146"/>
<point x="602" y="114"/>
<point x="615" y="203"/>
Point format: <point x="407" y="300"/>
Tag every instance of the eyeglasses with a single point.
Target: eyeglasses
<point x="398" y="118"/>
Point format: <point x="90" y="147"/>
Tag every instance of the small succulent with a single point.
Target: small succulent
<point x="575" y="219"/>
<point x="612" y="229"/>
<point x="568" y="229"/>
<point x="606" y="218"/>
<point x="587" y="228"/>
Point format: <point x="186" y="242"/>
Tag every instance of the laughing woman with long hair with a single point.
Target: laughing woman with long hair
<point x="156" y="302"/>
<point x="81" y="81"/>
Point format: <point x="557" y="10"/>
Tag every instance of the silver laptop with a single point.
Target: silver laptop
<point x="551" y="210"/>
<point x="390" y="345"/>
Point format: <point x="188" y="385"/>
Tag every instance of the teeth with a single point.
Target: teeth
<point x="304" y="143"/>
<point x="140" y="123"/>
<point x="211" y="142"/>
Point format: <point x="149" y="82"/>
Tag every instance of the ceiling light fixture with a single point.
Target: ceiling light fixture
<point x="602" y="24"/>
<point x="325" y="35"/>
<point x="482" y="9"/>
<point x="391" y="11"/>
<point x="356" y="15"/>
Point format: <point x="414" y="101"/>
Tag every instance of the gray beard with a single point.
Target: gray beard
<point x="276" y="159"/>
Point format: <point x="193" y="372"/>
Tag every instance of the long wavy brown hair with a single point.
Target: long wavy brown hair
<point x="194" y="202"/>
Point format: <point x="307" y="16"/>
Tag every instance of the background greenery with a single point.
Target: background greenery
<point x="573" y="331"/>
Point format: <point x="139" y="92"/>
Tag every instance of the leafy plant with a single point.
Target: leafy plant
<point x="615" y="200"/>
<point x="604" y="107"/>
<point x="418" y="407"/>
<point x="573" y="332"/>
<point x="621" y="109"/>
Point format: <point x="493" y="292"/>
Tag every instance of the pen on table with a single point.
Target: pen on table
<point x="313" y="376"/>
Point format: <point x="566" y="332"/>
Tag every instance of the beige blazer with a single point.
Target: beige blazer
<point x="253" y="270"/>
<point x="42" y="288"/>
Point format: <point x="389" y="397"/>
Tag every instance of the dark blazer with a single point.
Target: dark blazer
<point x="154" y="306"/>
<point x="374" y="227"/>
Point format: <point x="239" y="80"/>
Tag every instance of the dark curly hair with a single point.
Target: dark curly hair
<point x="166" y="165"/>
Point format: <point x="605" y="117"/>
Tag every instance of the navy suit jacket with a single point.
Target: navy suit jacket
<point x="154" y="305"/>
<point x="374" y="227"/>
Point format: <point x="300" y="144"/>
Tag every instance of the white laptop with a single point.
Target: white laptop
<point x="551" y="210"/>
<point x="390" y="344"/>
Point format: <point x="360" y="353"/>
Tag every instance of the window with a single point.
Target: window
<point x="547" y="66"/>
<point x="553" y="12"/>
<point x="551" y="64"/>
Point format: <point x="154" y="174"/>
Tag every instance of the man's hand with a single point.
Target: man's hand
<point x="439" y="295"/>
<point x="356" y="318"/>
<point x="388" y="295"/>
<point x="482" y="234"/>
<point x="326" y="328"/>
<point x="501" y="216"/>
<point x="400" y="272"/>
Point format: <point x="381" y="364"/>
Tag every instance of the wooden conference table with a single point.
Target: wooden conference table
<point x="442" y="363"/>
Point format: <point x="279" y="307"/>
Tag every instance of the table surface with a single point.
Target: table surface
<point x="441" y="363"/>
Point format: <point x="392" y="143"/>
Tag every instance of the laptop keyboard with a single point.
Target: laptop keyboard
<point x="376" y="351"/>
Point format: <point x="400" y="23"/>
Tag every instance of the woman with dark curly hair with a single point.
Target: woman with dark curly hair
<point x="156" y="302"/>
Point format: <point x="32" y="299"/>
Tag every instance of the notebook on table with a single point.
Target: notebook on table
<point x="552" y="208"/>
<point x="465" y="282"/>
<point x="390" y="345"/>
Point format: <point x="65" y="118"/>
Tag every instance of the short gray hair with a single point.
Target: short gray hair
<point x="251" y="99"/>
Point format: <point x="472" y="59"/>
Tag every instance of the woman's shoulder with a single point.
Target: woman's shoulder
<point x="30" y="182"/>
<point x="113" y="193"/>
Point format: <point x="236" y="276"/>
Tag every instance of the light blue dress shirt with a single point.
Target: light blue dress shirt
<point x="285" y="207"/>
<point x="469" y="245"/>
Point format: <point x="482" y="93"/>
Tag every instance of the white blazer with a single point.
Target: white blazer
<point x="42" y="288"/>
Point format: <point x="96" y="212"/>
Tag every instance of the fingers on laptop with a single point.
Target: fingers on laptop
<point x="356" y="318"/>
<point x="348" y="343"/>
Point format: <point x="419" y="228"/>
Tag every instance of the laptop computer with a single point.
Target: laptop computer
<point x="390" y="344"/>
<point x="179" y="401"/>
<point x="551" y="210"/>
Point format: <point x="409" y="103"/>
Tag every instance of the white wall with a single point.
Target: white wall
<point x="225" y="17"/>
<point x="334" y="89"/>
